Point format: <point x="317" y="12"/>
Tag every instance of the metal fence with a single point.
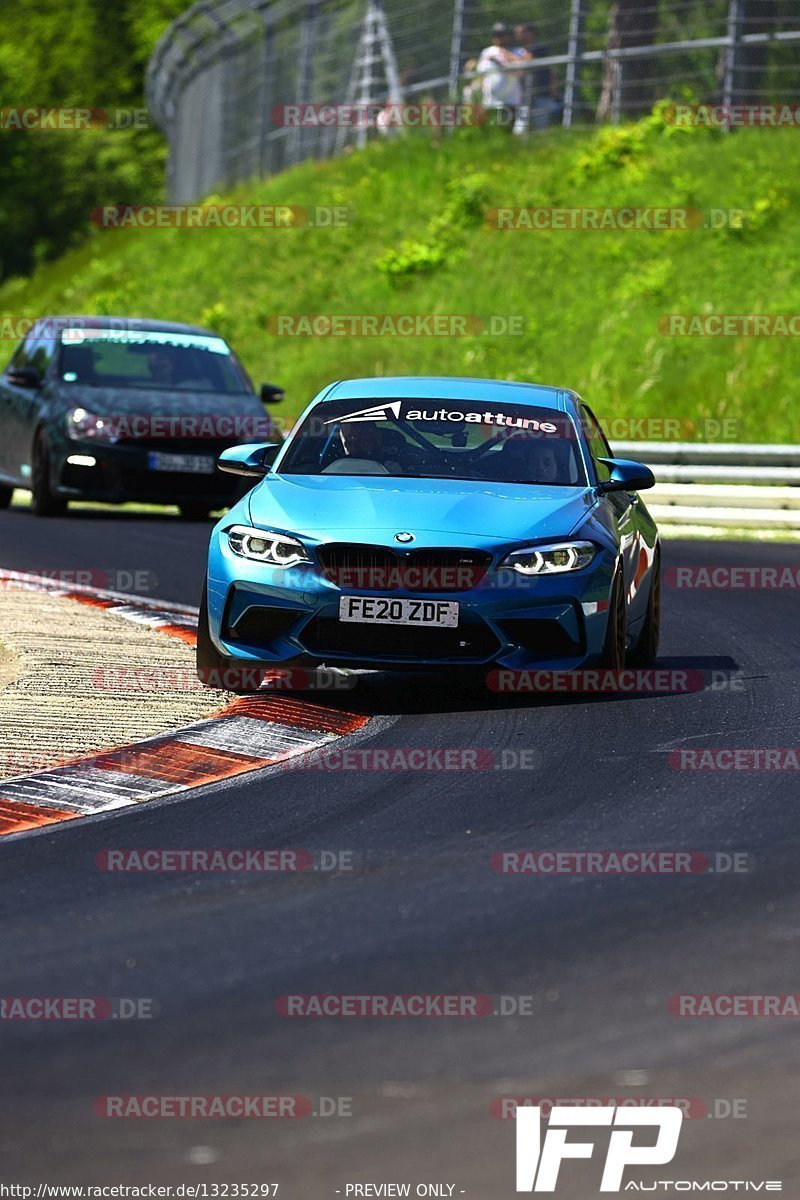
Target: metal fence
<point x="222" y="75"/>
<point x="721" y="484"/>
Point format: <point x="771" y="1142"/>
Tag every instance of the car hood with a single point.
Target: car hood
<point x="331" y="508"/>
<point x="115" y="401"/>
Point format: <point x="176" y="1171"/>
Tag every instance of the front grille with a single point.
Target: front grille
<point x="471" y="641"/>
<point x="166" y="485"/>
<point x="210" y="446"/>
<point x="541" y="638"/>
<point x="377" y="568"/>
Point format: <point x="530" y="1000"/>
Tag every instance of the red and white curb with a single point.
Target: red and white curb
<point x="253" y="732"/>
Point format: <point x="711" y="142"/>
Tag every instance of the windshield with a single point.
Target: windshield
<point x="148" y="359"/>
<point x="438" y="439"/>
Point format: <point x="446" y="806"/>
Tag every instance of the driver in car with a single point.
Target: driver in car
<point x="160" y="366"/>
<point x="363" y="439"/>
<point x="531" y="460"/>
<point x="544" y="463"/>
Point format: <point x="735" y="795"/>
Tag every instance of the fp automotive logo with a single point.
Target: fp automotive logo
<point x="538" y="1165"/>
<point x="380" y="412"/>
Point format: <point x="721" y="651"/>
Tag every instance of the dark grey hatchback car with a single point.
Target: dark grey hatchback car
<point x="116" y="409"/>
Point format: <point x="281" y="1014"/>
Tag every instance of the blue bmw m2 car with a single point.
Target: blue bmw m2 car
<point x="434" y="522"/>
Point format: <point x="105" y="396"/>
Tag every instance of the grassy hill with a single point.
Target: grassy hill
<point x="419" y="242"/>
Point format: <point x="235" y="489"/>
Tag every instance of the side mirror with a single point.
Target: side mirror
<point x="270" y="394"/>
<point x="25" y="377"/>
<point x="252" y="459"/>
<point x="626" y="476"/>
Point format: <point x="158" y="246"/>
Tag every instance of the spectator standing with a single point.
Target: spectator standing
<point x="499" y="72"/>
<point x="541" y="101"/>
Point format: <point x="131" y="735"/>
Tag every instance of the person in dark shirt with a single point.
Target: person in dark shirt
<point x="542" y="88"/>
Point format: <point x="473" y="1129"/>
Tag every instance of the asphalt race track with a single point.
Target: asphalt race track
<point x="423" y="912"/>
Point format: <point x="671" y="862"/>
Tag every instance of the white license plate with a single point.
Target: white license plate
<point x="370" y="610"/>
<point x="189" y="464"/>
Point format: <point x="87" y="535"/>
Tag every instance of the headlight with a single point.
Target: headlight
<point x="82" y="424"/>
<point x="551" y="560"/>
<point x="266" y="546"/>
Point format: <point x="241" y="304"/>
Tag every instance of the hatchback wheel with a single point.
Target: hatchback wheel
<point x="44" y="503"/>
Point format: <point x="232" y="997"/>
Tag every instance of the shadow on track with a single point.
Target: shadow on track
<point x="405" y="693"/>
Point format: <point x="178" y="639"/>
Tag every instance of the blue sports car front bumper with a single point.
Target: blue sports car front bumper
<point x="272" y="616"/>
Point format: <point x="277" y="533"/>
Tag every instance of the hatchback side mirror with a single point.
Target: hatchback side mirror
<point x="25" y="377"/>
<point x="270" y="394"/>
<point x="251" y="459"/>
<point x="626" y="476"/>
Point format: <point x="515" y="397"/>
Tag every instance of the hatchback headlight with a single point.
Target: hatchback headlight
<point x="266" y="546"/>
<point x="82" y="424"/>
<point x="554" y="559"/>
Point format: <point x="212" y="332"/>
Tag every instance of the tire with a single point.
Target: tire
<point x="194" y="511"/>
<point x="613" y="655"/>
<point x="646" y="650"/>
<point x="5" y="495"/>
<point x="214" y="670"/>
<point x="44" y="503"/>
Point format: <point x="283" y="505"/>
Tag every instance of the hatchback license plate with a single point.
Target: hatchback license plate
<point x="371" y="610"/>
<point x="188" y="464"/>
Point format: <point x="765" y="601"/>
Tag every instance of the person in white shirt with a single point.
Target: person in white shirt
<point x="501" y="83"/>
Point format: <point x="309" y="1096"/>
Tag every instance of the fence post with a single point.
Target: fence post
<point x="267" y="95"/>
<point x="308" y="37"/>
<point x="455" y="51"/>
<point x="616" y="93"/>
<point x="574" y="50"/>
<point x="734" y="33"/>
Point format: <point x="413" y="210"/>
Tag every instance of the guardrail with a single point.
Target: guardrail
<point x="722" y="485"/>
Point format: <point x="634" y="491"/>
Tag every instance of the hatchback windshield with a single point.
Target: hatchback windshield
<point x="438" y="439"/>
<point x="148" y="359"/>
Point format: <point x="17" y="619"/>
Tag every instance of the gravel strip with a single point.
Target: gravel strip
<point x="74" y="680"/>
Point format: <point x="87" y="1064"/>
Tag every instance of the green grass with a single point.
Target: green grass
<point x="419" y="243"/>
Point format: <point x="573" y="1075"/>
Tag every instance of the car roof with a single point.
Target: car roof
<point x="134" y="323"/>
<point x="448" y="387"/>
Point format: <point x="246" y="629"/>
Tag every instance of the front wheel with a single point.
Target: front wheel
<point x="646" y="651"/>
<point x="44" y="502"/>
<point x="613" y="656"/>
<point x="5" y="495"/>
